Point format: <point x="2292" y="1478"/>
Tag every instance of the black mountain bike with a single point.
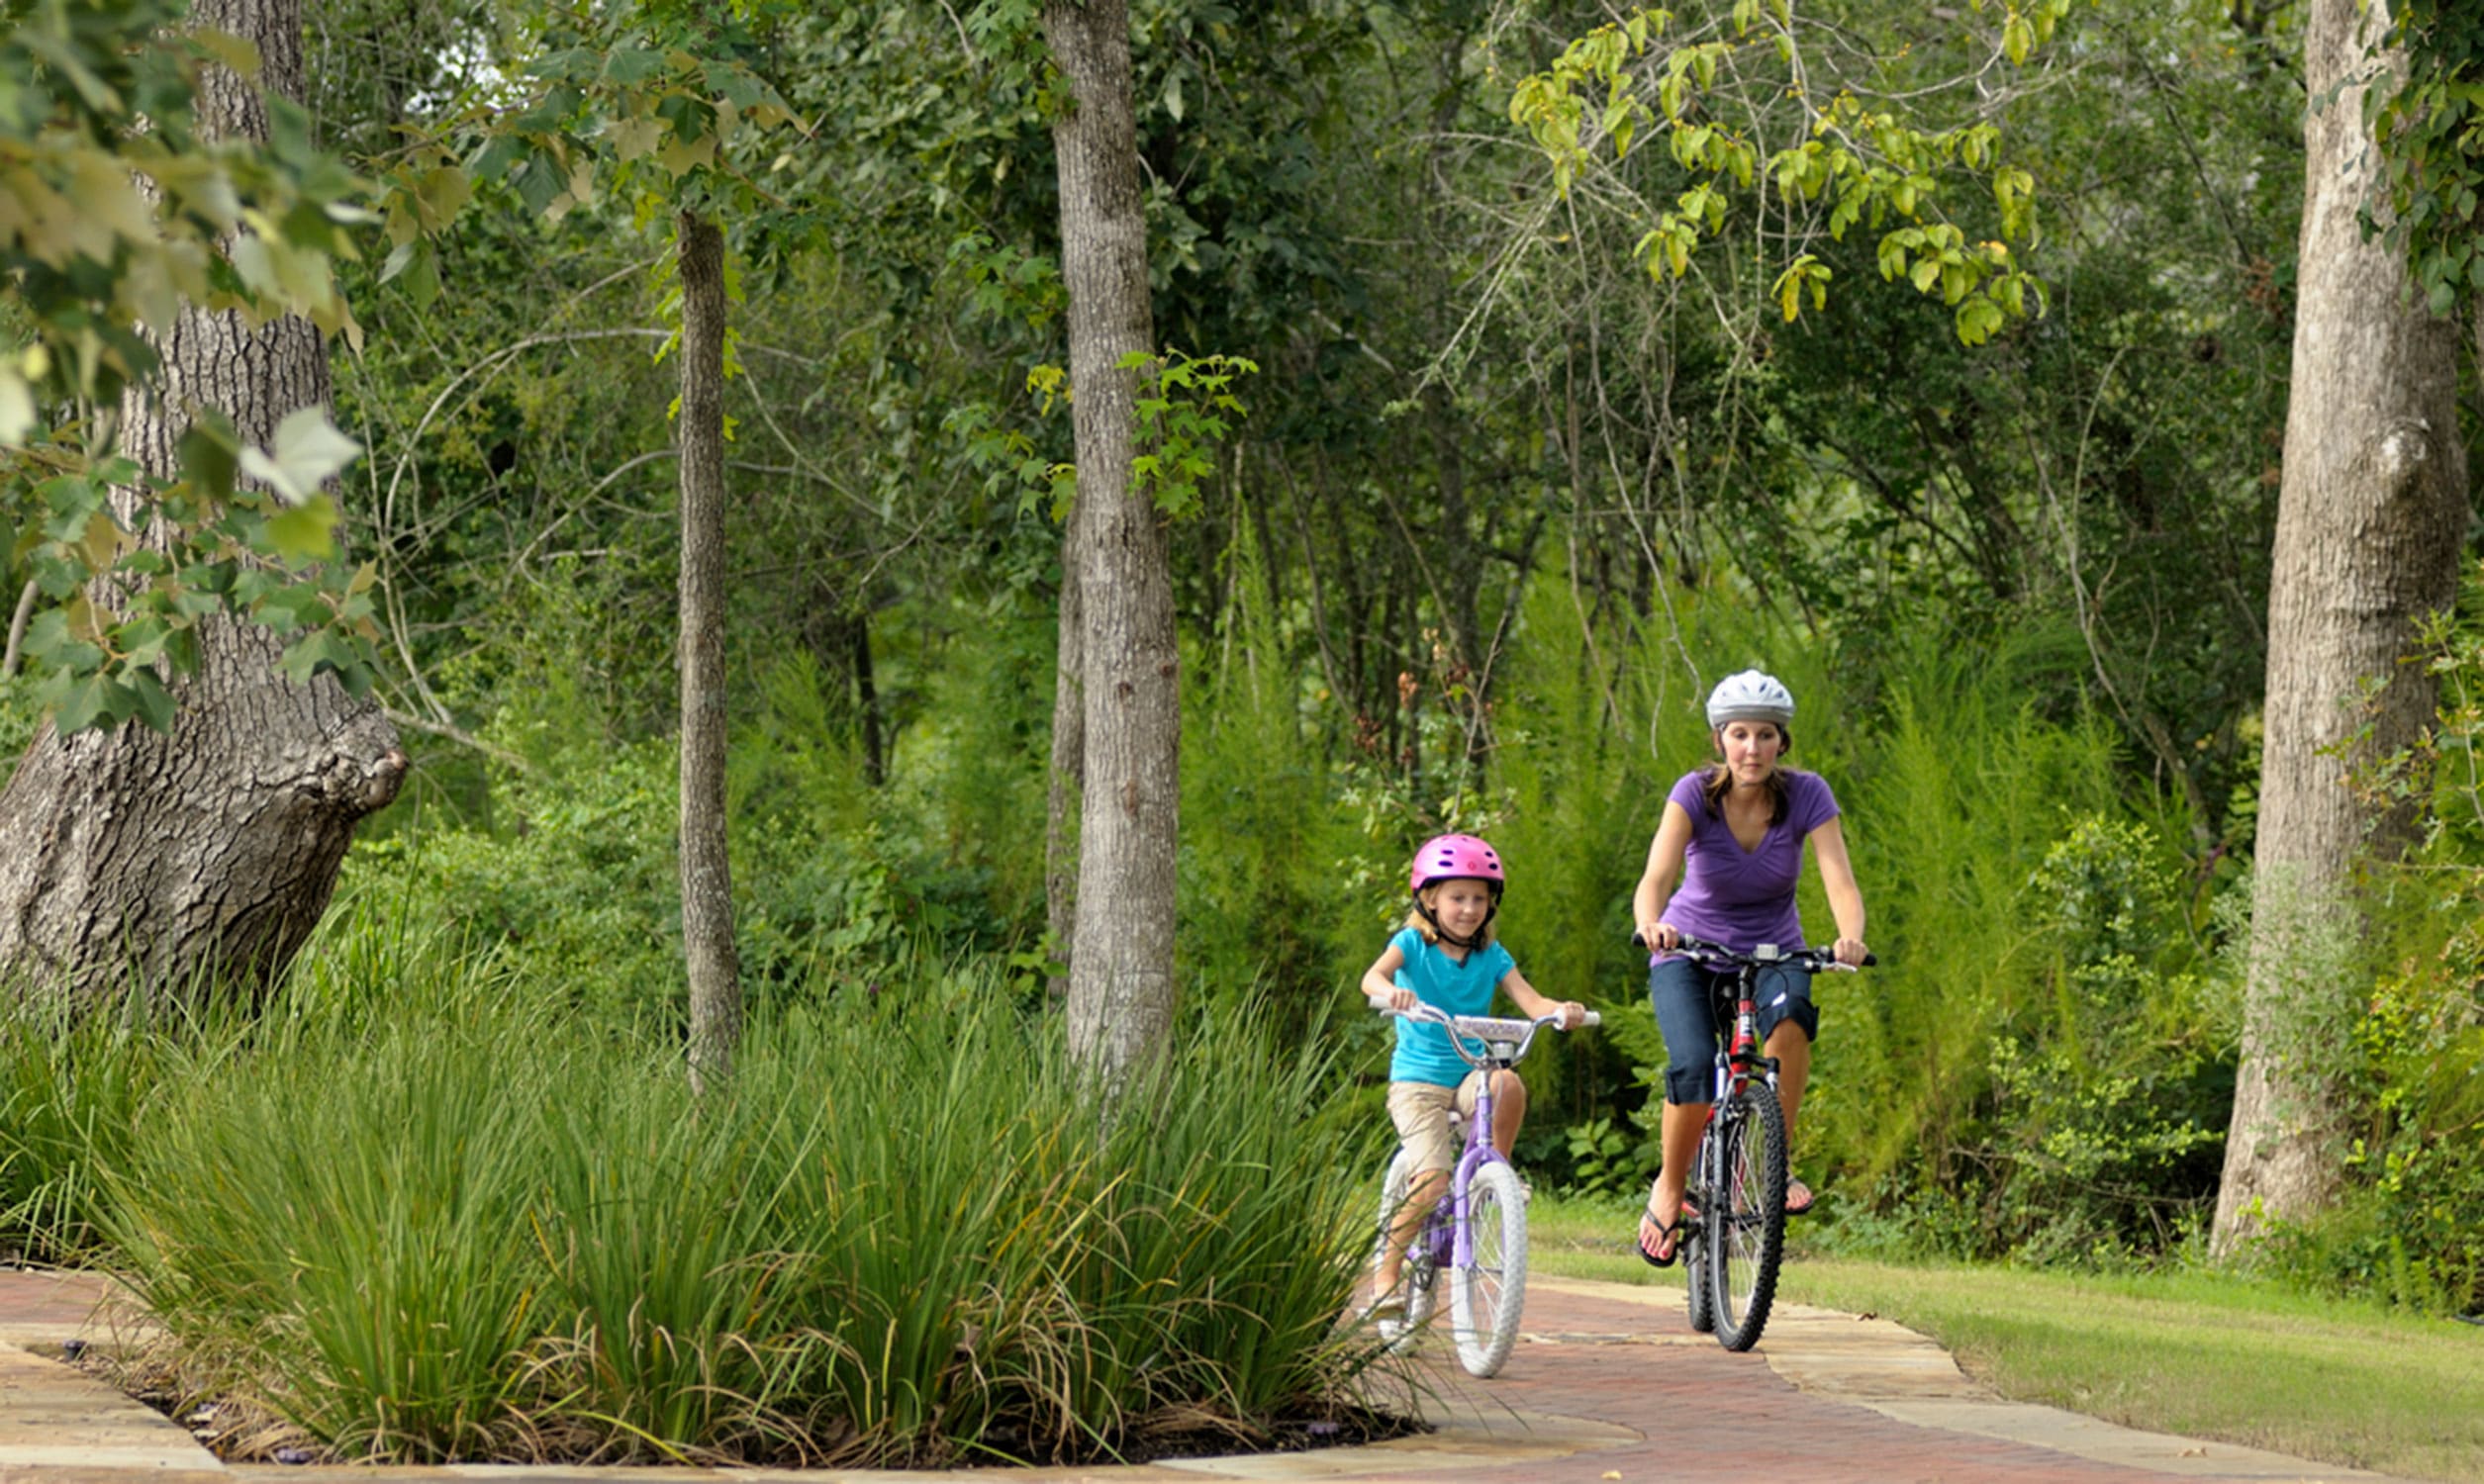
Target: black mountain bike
<point x="1737" y="1183"/>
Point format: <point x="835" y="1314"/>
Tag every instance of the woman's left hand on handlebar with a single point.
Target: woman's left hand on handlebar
<point x="1849" y="951"/>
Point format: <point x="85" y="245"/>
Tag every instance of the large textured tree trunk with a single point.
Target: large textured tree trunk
<point x="706" y="884"/>
<point x="207" y="856"/>
<point x="2369" y="524"/>
<point x="1121" y="971"/>
<point x="1067" y="773"/>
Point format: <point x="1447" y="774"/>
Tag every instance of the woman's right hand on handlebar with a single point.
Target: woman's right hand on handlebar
<point x="1659" y="937"/>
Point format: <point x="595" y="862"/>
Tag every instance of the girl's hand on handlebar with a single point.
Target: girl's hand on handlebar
<point x="1573" y="1014"/>
<point x="1399" y="1000"/>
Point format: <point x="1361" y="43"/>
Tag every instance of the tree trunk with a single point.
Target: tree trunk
<point x="2370" y="519"/>
<point x="1121" y="975"/>
<point x="1069" y="766"/>
<point x="206" y="857"/>
<point x="706" y="879"/>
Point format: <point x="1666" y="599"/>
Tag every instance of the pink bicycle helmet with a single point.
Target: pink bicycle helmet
<point x="1446" y="858"/>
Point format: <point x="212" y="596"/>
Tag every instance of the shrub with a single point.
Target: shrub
<point x="470" y="1221"/>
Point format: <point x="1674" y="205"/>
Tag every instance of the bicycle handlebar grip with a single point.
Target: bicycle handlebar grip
<point x="1591" y="1022"/>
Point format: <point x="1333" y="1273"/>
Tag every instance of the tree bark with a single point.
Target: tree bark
<point x="2372" y="516"/>
<point x="706" y="884"/>
<point x="1120" y="996"/>
<point x="1069" y="765"/>
<point x="176" y="863"/>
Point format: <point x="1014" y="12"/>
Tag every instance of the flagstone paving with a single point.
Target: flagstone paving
<point x="1608" y="1384"/>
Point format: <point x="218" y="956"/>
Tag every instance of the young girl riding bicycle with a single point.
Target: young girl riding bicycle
<point x="1445" y="956"/>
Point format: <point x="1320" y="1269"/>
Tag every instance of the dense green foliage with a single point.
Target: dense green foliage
<point x="418" y="1210"/>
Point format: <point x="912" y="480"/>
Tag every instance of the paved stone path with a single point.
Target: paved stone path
<point x="1609" y="1384"/>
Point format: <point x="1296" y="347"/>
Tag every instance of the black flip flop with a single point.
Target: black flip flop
<point x="1667" y="1232"/>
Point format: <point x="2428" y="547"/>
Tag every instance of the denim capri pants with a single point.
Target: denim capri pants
<point x="1680" y="991"/>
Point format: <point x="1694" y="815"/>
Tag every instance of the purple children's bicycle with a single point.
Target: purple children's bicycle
<point x="1478" y="1233"/>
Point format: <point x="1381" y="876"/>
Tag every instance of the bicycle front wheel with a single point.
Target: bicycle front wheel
<point x="1746" y="1233"/>
<point x="1488" y="1291"/>
<point x="1693" y="1247"/>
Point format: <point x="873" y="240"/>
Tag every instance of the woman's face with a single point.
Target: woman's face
<point x="1750" y="749"/>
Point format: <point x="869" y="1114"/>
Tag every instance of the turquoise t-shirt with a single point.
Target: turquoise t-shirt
<point x="1425" y="1054"/>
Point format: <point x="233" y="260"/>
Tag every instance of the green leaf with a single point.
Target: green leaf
<point x="540" y="181"/>
<point x="84" y="705"/>
<point x="304" y="532"/>
<point x="210" y="458"/>
<point x="49" y="639"/>
<point x="308" y="452"/>
<point x="632" y="64"/>
<point x="153" y="701"/>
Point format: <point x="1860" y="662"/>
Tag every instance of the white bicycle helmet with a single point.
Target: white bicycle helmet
<point x="1752" y="696"/>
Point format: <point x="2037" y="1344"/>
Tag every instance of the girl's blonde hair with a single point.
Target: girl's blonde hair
<point x="1484" y="936"/>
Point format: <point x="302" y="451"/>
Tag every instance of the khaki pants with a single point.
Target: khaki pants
<point x="1421" y="1110"/>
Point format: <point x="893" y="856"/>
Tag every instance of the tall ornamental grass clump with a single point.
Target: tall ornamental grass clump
<point x="465" y="1221"/>
<point x="71" y="1088"/>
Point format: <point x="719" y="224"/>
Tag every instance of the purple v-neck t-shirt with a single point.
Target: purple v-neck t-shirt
<point x="1737" y="898"/>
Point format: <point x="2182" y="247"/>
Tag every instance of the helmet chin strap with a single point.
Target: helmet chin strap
<point x="1423" y="910"/>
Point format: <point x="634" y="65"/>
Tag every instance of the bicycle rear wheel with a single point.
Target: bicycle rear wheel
<point x="1488" y="1291"/>
<point x="1746" y="1235"/>
<point x="1416" y="1278"/>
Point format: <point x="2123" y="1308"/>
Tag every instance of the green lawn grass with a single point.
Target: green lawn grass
<point x="2199" y="1353"/>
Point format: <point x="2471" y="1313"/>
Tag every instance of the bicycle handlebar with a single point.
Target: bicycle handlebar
<point x="1482" y="1027"/>
<point x="1814" y="960"/>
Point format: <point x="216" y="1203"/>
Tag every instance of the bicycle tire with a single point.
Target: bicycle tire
<point x="1749" y="1210"/>
<point x="1694" y="1252"/>
<point x="1416" y="1276"/>
<point x="1489" y="1291"/>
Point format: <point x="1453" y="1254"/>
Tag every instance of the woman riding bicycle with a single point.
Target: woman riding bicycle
<point x="1736" y="829"/>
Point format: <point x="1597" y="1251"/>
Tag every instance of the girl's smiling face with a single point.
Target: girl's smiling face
<point x="1750" y="749"/>
<point x="1461" y="905"/>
